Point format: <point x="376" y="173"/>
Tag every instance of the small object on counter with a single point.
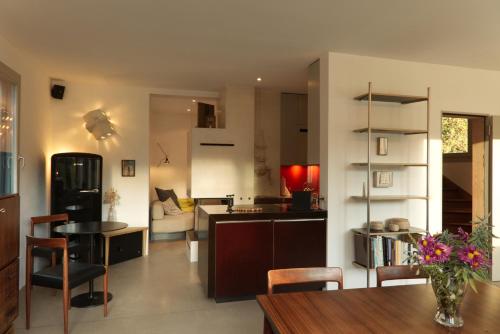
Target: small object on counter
<point x="284" y="190"/>
<point x="230" y="202"/>
<point x="247" y="209"/>
<point x="393" y="227"/>
<point x="403" y="223"/>
<point x="376" y="225"/>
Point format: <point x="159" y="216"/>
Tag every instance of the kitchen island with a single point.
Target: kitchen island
<point x="237" y="249"/>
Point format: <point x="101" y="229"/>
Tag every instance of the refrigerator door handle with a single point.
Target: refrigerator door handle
<point x="95" y="191"/>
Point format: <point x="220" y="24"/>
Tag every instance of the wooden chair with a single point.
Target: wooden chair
<point x="390" y="273"/>
<point x="303" y="275"/>
<point x="52" y="254"/>
<point x="65" y="276"/>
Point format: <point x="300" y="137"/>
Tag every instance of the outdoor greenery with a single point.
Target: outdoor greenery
<point x="455" y="135"/>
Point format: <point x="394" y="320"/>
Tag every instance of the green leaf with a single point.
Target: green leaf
<point x="473" y="285"/>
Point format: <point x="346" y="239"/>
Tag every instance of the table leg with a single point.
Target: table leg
<point x="92" y="298"/>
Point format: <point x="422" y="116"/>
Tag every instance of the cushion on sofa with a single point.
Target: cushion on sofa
<point x="164" y="194"/>
<point x="171" y="208"/>
<point x="187" y="204"/>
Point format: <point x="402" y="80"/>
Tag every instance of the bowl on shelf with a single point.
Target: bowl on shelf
<point x="403" y="223"/>
<point x="393" y="227"/>
<point x="376" y="225"/>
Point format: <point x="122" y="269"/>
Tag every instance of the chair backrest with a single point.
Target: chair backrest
<point x="61" y="217"/>
<point x="389" y="273"/>
<point x="303" y="275"/>
<point x="48" y="243"/>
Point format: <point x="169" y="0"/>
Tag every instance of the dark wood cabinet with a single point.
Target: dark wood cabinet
<point x="9" y="287"/>
<point x="9" y="230"/>
<point x="244" y="254"/>
<point x="236" y="250"/>
<point x="9" y="263"/>
<point x="299" y="243"/>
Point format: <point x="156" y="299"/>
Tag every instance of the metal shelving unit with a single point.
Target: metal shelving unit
<point x="371" y="97"/>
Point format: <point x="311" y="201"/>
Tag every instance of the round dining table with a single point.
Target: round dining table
<point x="91" y="298"/>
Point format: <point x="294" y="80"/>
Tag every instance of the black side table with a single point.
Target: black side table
<point x="92" y="298"/>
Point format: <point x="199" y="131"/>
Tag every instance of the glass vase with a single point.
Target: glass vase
<point x="449" y="293"/>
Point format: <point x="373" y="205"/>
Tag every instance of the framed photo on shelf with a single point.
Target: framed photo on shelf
<point x="128" y="168"/>
<point x="382" y="179"/>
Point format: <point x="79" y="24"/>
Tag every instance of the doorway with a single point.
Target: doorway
<point x="465" y="170"/>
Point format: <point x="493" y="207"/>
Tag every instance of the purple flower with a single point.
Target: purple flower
<point x="462" y="235"/>
<point x="442" y="252"/>
<point x="426" y="244"/>
<point x="431" y="251"/>
<point x="473" y="257"/>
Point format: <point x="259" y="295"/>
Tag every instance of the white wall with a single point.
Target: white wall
<point x="313" y="113"/>
<point x="267" y="132"/>
<point x="34" y="129"/>
<point x="216" y="170"/>
<point x="170" y="125"/>
<point x="452" y="89"/>
<point x="128" y="109"/>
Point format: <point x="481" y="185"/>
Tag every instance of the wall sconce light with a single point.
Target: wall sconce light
<point x="98" y="124"/>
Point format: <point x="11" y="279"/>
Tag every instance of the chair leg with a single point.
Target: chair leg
<point x="65" y="309"/>
<point x="69" y="299"/>
<point x="28" y="304"/>
<point x="53" y="263"/>
<point x="106" y="293"/>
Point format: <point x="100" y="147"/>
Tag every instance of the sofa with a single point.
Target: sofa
<point x="169" y="227"/>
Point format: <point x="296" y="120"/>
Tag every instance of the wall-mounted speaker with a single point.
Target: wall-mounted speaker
<point x="57" y="91"/>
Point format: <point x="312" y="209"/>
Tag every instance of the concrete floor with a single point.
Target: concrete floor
<point x="160" y="293"/>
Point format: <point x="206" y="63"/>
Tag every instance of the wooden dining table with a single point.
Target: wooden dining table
<point x="397" y="309"/>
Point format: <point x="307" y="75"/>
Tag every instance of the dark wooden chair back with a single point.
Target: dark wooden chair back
<point x="390" y="273"/>
<point x="61" y="217"/>
<point x="304" y="275"/>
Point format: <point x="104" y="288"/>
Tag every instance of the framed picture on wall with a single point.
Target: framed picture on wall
<point x="128" y="168"/>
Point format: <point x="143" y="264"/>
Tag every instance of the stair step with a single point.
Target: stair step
<point x="458" y="210"/>
<point x="457" y="200"/>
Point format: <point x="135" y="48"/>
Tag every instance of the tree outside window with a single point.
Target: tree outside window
<point x="455" y="135"/>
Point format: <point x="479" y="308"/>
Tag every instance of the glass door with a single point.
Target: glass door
<point x="9" y="113"/>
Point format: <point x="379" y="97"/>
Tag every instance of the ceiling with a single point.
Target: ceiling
<point x="205" y="44"/>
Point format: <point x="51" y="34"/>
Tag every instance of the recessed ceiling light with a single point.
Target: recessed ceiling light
<point x="259" y="79"/>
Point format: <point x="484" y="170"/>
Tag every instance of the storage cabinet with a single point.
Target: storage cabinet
<point x="125" y="247"/>
<point x="244" y="255"/>
<point x="9" y="230"/>
<point x="246" y="251"/>
<point x="299" y="243"/>
<point x="9" y="199"/>
<point x="9" y="281"/>
<point x="293" y="129"/>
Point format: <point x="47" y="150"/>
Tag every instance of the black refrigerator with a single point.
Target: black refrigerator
<point x="76" y="186"/>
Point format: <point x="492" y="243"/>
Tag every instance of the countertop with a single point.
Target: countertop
<point x="269" y="211"/>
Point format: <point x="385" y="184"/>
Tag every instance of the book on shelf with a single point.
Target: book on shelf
<point x="384" y="251"/>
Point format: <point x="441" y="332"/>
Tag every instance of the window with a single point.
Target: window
<point x="455" y="135"/>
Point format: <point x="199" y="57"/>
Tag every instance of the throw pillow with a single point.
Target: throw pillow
<point x="187" y="204"/>
<point x="170" y="208"/>
<point x="163" y="195"/>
